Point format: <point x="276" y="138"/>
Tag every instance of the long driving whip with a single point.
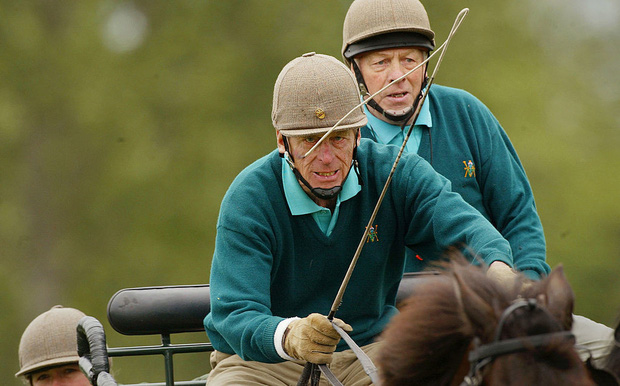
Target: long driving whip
<point x="311" y="368"/>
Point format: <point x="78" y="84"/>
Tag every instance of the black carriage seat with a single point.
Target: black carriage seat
<point x="176" y="309"/>
<point x="159" y="310"/>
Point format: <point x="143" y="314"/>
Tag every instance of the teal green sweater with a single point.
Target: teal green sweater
<point x="464" y="129"/>
<point x="269" y="265"/>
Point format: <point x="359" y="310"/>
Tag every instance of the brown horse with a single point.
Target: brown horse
<point x="462" y="328"/>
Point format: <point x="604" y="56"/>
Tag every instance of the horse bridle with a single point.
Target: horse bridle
<point x="482" y="355"/>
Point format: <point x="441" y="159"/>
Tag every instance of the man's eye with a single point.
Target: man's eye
<point x="310" y="139"/>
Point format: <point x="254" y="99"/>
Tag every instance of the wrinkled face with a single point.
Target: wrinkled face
<point x="328" y="165"/>
<point x="381" y="67"/>
<point x="66" y="375"/>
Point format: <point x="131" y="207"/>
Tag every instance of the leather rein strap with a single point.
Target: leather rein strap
<point x="369" y="367"/>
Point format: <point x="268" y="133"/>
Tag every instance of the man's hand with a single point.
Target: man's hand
<point x="503" y="275"/>
<point x="313" y="338"/>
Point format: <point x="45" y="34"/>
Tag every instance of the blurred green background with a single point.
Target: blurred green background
<point x="122" y="123"/>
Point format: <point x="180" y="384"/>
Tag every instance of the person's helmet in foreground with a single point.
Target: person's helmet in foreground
<point x="312" y="93"/>
<point x="49" y="340"/>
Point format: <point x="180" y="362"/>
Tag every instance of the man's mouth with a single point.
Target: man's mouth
<point x="398" y="95"/>
<point x="326" y="174"/>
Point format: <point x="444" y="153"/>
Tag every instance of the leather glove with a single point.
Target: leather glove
<point x="313" y="338"/>
<point x="503" y="275"/>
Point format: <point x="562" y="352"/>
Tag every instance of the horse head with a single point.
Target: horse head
<point x="462" y="328"/>
<point x="532" y="343"/>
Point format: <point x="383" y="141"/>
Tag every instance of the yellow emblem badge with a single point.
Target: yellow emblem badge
<point x="470" y="169"/>
<point x="372" y="234"/>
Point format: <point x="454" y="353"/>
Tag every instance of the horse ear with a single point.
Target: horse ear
<point x="477" y="310"/>
<point x="558" y="296"/>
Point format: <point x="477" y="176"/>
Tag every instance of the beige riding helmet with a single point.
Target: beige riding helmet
<point x="377" y="24"/>
<point x="49" y="340"/>
<point x="312" y="93"/>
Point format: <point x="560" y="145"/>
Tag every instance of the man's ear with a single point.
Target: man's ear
<point x="280" y="141"/>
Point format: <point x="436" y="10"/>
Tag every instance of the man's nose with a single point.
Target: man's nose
<point x="60" y="381"/>
<point x="396" y="71"/>
<point x="326" y="152"/>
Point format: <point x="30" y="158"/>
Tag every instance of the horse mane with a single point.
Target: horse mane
<point x="427" y="343"/>
<point x="434" y="329"/>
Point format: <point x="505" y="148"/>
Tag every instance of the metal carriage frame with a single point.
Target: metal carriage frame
<point x="163" y="311"/>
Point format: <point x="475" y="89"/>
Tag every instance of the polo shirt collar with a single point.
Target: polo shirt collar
<point x="300" y="203"/>
<point x="386" y="132"/>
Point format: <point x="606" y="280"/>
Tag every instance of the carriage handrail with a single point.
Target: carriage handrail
<point x="92" y="350"/>
<point x="163" y="310"/>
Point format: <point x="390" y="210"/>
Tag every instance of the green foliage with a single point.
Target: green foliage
<point x="114" y="157"/>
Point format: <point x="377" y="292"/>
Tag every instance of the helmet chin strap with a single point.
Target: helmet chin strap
<point x="405" y="114"/>
<point x="321" y="193"/>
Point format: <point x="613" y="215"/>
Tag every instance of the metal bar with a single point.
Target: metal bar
<point x="168" y="360"/>
<point x="159" y="350"/>
<point x="167" y="349"/>
<point x="178" y="383"/>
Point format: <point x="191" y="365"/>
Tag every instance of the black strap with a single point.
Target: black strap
<point x="324" y="194"/>
<point x="372" y="103"/>
<point x="309" y="368"/>
<point x="486" y="353"/>
<point x="509" y="346"/>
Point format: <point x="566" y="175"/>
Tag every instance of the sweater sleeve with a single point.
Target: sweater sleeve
<point x="439" y="213"/>
<point x="240" y="319"/>
<point x="509" y="201"/>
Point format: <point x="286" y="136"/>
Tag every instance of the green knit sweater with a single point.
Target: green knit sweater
<point x="269" y="265"/>
<point x="494" y="182"/>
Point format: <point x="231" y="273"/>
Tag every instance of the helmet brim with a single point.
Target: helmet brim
<point x="390" y="40"/>
<point x="300" y="132"/>
<point x="54" y="362"/>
